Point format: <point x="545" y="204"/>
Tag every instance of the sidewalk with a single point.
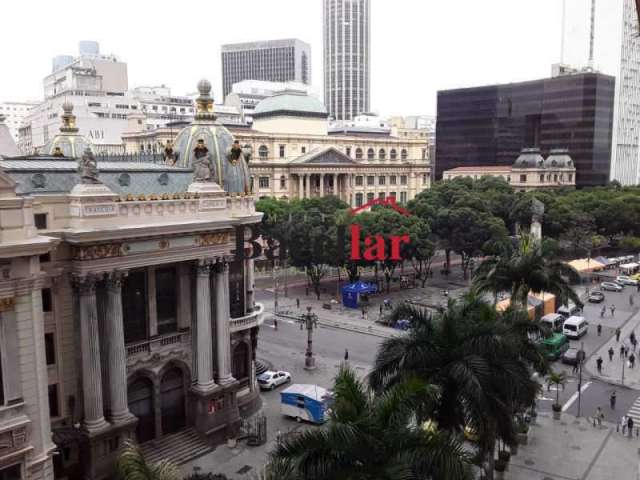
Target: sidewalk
<point x="612" y="371"/>
<point x="572" y="449"/>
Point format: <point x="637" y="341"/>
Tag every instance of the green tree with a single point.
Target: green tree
<point x="557" y="380"/>
<point x="133" y="466"/>
<point x="372" y="437"/>
<point x="480" y="364"/>
<point x="527" y="267"/>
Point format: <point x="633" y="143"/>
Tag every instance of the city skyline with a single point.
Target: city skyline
<point x="481" y="55"/>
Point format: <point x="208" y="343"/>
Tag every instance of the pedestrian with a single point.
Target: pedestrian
<point x="602" y="310"/>
<point x="631" y="300"/>
<point x="297" y="302"/>
<point x="611" y="352"/>
<point x="380" y="309"/>
<point x="599" y="364"/>
<point x="623" y="424"/>
<point x="630" y="425"/>
<point x="613" y="310"/>
<point x="632" y="360"/>
<point x="575" y="368"/>
<point x="612" y="400"/>
<point x="346" y="355"/>
<point x="599" y="329"/>
<point x="626" y="351"/>
<point x="363" y="313"/>
<point x="306" y="291"/>
<point x="622" y="351"/>
<point x="632" y="337"/>
<point x="275" y="323"/>
<point x="598" y="417"/>
<point x="634" y="343"/>
<point x="618" y="334"/>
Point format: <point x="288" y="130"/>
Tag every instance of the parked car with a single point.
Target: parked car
<point x="625" y="280"/>
<point x="270" y="380"/>
<point x="570" y="356"/>
<point x="568" y="310"/>
<point x="553" y="321"/>
<point x="596" y="297"/>
<point x="574" y="327"/>
<point x="611" y="287"/>
<point x="636" y="276"/>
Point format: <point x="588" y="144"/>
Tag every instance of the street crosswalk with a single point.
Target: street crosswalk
<point x="634" y="411"/>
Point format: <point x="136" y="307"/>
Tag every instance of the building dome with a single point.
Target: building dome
<point x="207" y="133"/>
<point x="290" y="102"/>
<point x="67" y="143"/>
<point x="529" y="158"/>
<point x="558" y="158"/>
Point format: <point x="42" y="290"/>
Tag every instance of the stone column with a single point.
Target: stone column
<point x="249" y="276"/>
<point x="308" y="192"/>
<point x="204" y="346"/>
<point x="116" y="352"/>
<point x="300" y="186"/>
<point x="184" y="296"/>
<point x="90" y="350"/>
<point x="322" y="184"/>
<point x="223" y="338"/>
<point x="335" y="185"/>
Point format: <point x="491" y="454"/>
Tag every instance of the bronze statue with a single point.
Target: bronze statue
<point x="247" y="151"/>
<point x="236" y="170"/>
<point x="170" y="156"/>
<point x="57" y="152"/>
<point x="88" y="168"/>
<point x="202" y="163"/>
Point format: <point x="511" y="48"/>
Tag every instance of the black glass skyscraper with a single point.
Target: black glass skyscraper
<point x="490" y="125"/>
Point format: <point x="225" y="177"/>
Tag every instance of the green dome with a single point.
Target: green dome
<point x="558" y="158"/>
<point x="68" y="142"/>
<point x="290" y="102"/>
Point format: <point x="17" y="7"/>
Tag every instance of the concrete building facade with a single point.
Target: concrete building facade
<point x="347" y="57"/>
<point x="287" y="60"/>
<point x="14" y="114"/>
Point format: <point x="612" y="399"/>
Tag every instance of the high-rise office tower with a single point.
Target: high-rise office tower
<point x="272" y="60"/>
<point x="625" y="155"/>
<point x="347" y="56"/>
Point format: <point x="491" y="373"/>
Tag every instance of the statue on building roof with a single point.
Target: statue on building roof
<point x="201" y="163"/>
<point x="57" y="152"/>
<point x="170" y="156"/>
<point x="88" y="168"/>
<point x="236" y="170"/>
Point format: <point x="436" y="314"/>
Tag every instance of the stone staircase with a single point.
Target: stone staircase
<point x="177" y="447"/>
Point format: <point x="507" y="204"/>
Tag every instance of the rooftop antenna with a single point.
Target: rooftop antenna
<point x="592" y="33"/>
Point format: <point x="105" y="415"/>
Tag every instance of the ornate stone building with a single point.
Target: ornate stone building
<point x="125" y="308"/>
<point x="530" y="171"/>
<point x="295" y="156"/>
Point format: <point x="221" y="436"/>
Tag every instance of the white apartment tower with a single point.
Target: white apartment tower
<point x="625" y="161"/>
<point x="347" y="35"/>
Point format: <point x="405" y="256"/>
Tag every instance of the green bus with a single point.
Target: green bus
<point x="554" y="346"/>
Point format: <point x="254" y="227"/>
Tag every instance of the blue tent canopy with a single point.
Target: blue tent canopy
<point x="351" y="293"/>
<point x="603" y="260"/>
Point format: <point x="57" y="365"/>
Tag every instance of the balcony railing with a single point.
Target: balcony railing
<point x="254" y="319"/>
<point x="152" y="345"/>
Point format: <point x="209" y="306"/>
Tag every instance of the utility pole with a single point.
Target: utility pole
<point x="624" y="360"/>
<point x="581" y="355"/>
<point x="309" y="321"/>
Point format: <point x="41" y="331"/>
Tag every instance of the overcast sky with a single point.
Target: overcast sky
<point x="418" y="46"/>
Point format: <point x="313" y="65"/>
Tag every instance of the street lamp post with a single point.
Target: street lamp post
<point x="275" y="288"/>
<point x="624" y="360"/>
<point x="581" y="356"/>
<point x="309" y="321"/>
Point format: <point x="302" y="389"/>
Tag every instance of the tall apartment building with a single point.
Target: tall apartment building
<point x="489" y="125"/>
<point x="625" y="157"/>
<point x="287" y="60"/>
<point x="347" y="39"/>
<point x="97" y="87"/>
<point x="14" y="114"/>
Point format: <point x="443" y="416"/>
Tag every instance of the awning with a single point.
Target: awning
<point x="629" y="266"/>
<point x="604" y="261"/>
<point x="582" y="265"/>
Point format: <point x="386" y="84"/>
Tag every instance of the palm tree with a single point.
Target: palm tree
<point x="480" y="363"/>
<point x="557" y="379"/>
<point x="133" y="466"/>
<point x="369" y="437"/>
<point x="527" y="267"/>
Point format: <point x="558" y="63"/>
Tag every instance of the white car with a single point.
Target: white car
<point x="270" y="380"/>
<point x="625" y="280"/>
<point x="611" y="287"/>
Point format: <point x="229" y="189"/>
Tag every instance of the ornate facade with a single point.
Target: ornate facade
<point x="294" y="156"/>
<point x="125" y="310"/>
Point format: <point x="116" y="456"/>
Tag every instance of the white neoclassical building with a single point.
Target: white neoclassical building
<point x="126" y="310"/>
<point x="295" y="155"/>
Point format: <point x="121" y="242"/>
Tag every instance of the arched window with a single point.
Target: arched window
<point x="358" y="199"/>
<point x="382" y="154"/>
<point x="393" y="154"/>
<point x="263" y="151"/>
<point x="358" y="153"/>
<point x="403" y="154"/>
<point x="370" y="154"/>
<point x="283" y="182"/>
